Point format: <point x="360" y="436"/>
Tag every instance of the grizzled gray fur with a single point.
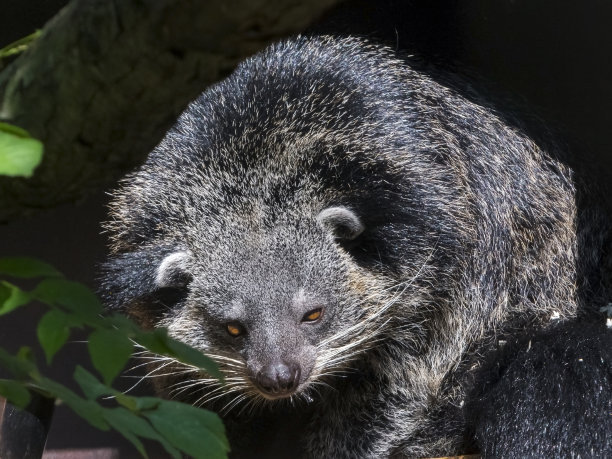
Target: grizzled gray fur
<point x="349" y="238"/>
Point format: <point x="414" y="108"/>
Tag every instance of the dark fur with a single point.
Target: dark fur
<point x="546" y="395"/>
<point x="471" y="232"/>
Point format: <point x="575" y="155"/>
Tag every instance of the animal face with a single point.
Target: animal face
<point x="273" y="307"/>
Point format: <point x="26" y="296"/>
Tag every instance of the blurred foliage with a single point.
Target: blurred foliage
<point x="178" y="427"/>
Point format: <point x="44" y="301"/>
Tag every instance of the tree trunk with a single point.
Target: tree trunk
<point x="107" y="78"/>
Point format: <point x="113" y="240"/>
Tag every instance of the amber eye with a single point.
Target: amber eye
<point x="312" y="316"/>
<point x="235" y="329"/>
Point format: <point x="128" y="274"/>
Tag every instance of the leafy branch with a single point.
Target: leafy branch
<point x="178" y="427"/>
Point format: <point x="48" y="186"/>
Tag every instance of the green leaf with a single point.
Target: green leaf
<point x="90" y="385"/>
<point x="159" y="342"/>
<point x="194" y="431"/>
<point x="15" y="392"/>
<point x="20" y="366"/>
<point x="19" y="46"/>
<point x="137" y="404"/>
<point x="26" y="355"/>
<point x="87" y="409"/>
<point x="15" y="130"/>
<point x="110" y="350"/>
<point x="19" y="154"/>
<point x="124" y="429"/>
<point x="73" y="296"/>
<point x="191" y="356"/>
<point x="127" y="422"/>
<point x="146" y="403"/>
<point x="126" y="401"/>
<point x="11" y="297"/>
<point x="53" y="330"/>
<point x="27" y="267"/>
<point x="123" y="323"/>
<point x="154" y="340"/>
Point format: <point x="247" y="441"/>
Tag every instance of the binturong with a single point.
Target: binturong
<point x="352" y="238"/>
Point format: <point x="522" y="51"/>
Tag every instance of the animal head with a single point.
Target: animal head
<point x="270" y="300"/>
<point x="279" y="308"/>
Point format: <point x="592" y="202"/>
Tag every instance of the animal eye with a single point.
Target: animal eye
<point x="235" y="329"/>
<point x="313" y="316"/>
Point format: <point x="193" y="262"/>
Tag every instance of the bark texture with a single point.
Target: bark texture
<point x="108" y="77"/>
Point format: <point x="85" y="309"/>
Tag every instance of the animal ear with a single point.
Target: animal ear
<point x="174" y="270"/>
<point x="342" y="222"/>
<point x="129" y="276"/>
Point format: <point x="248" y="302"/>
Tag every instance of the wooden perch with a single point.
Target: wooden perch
<point x="107" y="78"/>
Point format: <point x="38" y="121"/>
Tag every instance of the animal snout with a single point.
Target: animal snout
<point x="278" y="379"/>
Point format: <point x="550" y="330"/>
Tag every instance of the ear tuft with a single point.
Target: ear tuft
<point x="174" y="270"/>
<point x="342" y="222"/>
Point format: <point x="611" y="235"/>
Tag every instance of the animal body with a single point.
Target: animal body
<point x="375" y="257"/>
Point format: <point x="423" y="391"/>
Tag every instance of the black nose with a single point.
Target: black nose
<point x="279" y="379"/>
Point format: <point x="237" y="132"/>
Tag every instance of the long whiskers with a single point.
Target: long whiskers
<point x="335" y="359"/>
<point x="340" y="349"/>
<point x="192" y="379"/>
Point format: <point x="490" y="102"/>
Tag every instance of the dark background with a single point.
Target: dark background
<point x="553" y="56"/>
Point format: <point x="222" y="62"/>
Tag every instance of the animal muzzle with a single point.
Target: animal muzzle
<point x="278" y="380"/>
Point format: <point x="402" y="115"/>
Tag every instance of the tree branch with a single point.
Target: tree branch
<point x="107" y="78"/>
